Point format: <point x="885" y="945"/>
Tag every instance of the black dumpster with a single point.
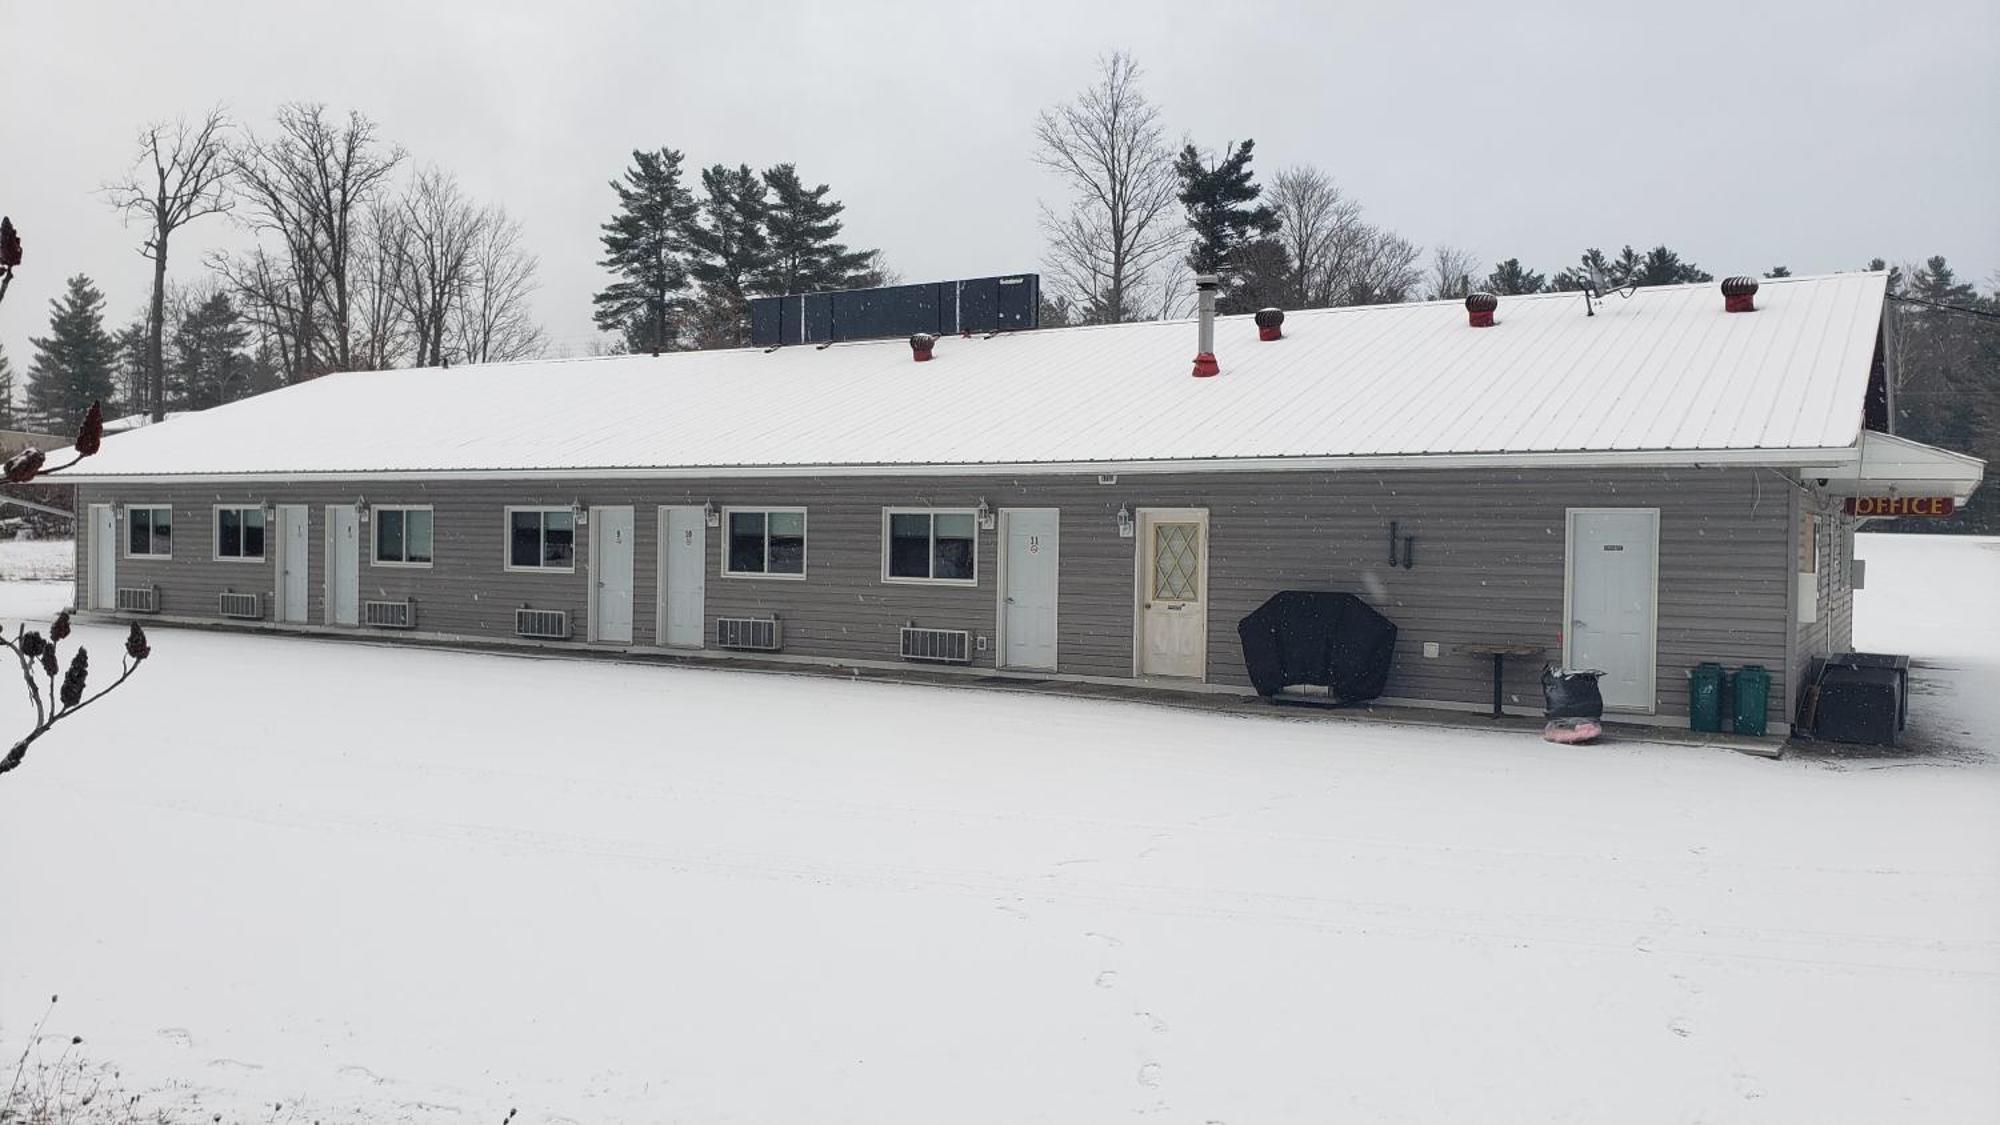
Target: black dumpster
<point x="1858" y="705"/>
<point x="1335" y="641"/>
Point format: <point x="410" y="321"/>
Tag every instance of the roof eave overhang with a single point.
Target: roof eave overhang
<point x="1831" y="460"/>
<point x="1887" y="465"/>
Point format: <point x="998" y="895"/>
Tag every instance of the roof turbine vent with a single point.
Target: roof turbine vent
<point x="1270" y="324"/>
<point x="1479" y="309"/>
<point x="921" y="345"/>
<point x="1739" y="294"/>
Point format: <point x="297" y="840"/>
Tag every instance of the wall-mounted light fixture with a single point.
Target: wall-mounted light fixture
<point x="578" y="512"/>
<point x="361" y="508"/>
<point x="1124" y="522"/>
<point x="985" y="515"/>
<point x="711" y="515"/>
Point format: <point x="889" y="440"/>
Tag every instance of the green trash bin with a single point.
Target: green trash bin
<point x="1705" y="697"/>
<point x="1753" y="691"/>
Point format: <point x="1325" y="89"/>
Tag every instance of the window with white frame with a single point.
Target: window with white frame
<point x="765" y="542"/>
<point x="239" y="534"/>
<point x="149" y="532"/>
<point x="541" y="539"/>
<point x="930" y="545"/>
<point x="402" y="535"/>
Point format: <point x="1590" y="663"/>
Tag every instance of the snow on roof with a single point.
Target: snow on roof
<point x="1663" y="370"/>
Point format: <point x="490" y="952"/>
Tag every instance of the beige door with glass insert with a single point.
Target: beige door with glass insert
<point x="1173" y="592"/>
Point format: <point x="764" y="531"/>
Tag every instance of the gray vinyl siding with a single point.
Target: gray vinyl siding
<point x="1832" y="629"/>
<point x="1489" y="561"/>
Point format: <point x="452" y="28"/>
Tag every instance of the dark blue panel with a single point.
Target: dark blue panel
<point x="818" y="318"/>
<point x="900" y="310"/>
<point x="978" y="305"/>
<point x="1020" y="304"/>
<point x="765" y="321"/>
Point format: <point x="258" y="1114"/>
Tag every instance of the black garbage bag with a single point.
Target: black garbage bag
<point x="1571" y="695"/>
<point x="1310" y="637"/>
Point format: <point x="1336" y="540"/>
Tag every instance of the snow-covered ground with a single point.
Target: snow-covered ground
<point x="37" y="560"/>
<point x="429" y="886"/>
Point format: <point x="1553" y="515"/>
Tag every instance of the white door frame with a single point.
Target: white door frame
<point x="280" y="606"/>
<point x="1142" y="519"/>
<point x="660" y="579"/>
<point x="334" y="514"/>
<point x="1000" y="593"/>
<point x="596" y="555"/>
<point x="102" y="592"/>
<point x="1569" y="589"/>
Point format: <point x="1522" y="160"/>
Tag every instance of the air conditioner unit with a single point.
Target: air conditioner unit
<point x="937" y="646"/>
<point x="390" y="615"/>
<point x="545" y="624"/>
<point x="249" y="606"/>
<point x="758" y="634"/>
<point x="138" y="599"/>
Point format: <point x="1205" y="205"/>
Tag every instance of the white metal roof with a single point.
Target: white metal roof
<point x="1665" y="374"/>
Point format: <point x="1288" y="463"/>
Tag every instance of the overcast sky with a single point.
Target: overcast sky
<point x="1814" y="134"/>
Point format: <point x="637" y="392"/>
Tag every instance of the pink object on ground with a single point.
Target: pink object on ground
<point x="1571" y="731"/>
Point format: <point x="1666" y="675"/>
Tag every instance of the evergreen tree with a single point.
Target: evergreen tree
<point x="7" y="421"/>
<point x="731" y="253"/>
<point x="802" y="225"/>
<point x="1592" y="270"/>
<point x="129" y="370"/>
<point x="1778" y="271"/>
<point x="1662" y="266"/>
<point x="1895" y="275"/>
<point x="1511" y="279"/>
<point x="1223" y="212"/>
<point x="1935" y="281"/>
<point x="210" y="366"/>
<point x="73" y="363"/>
<point x="645" y="248"/>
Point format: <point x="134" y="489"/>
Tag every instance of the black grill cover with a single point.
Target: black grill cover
<point x="1309" y="637"/>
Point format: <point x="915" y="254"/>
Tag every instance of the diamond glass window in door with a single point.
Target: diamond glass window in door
<point x="1176" y="562"/>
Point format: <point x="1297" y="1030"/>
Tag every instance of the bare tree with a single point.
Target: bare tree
<point x="1381" y="268"/>
<point x="1111" y="152"/>
<point x="493" y="321"/>
<point x="1317" y="227"/>
<point x="309" y="184"/>
<point x="437" y="231"/>
<point x="180" y="175"/>
<point x="1451" y="274"/>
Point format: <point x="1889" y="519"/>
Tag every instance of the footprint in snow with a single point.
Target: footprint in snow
<point x="1105" y="938"/>
<point x="1107" y="979"/>
<point x="1158" y="1025"/>
<point x="361" y="1073"/>
<point x="1149" y="1076"/>
<point x="178" y="1036"/>
<point x="234" y="1064"/>
<point x="1679" y="1026"/>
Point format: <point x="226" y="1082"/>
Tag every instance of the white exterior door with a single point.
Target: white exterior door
<point x="103" y="557"/>
<point x="1029" y="559"/>
<point x="294" y="549"/>
<point x="1173" y="592"/>
<point x="343" y="565"/>
<point x="683" y="576"/>
<point x="1613" y="598"/>
<point x="611" y="566"/>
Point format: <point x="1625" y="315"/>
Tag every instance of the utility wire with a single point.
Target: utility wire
<point x="1984" y="314"/>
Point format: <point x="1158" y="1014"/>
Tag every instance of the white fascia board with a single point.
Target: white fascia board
<point x="1831" y="460"/>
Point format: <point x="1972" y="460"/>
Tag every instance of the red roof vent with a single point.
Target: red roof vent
<point x="921" y="345"/>
<point x="1205" y="286"/>
<point x="1270" y="324"/>
<point x="1739" y="294"/>
<point x="1479" y="309"/>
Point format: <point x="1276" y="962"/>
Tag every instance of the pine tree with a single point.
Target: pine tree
<point x="1511" y="279"/>
<point x="73" y="363"/>
<point x="1662" y="266"/>
<point x="7" y="421"/>
<point x="802" y="225"/>
<point x="1778" y="271"/>
<point x="209" y="364"/>
<point x="731" y="253"/>
<point x="1223" y="212"/>
<point x="646" y="247"/>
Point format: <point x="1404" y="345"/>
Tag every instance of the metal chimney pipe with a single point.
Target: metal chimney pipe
<point x="1205" y="286"/>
